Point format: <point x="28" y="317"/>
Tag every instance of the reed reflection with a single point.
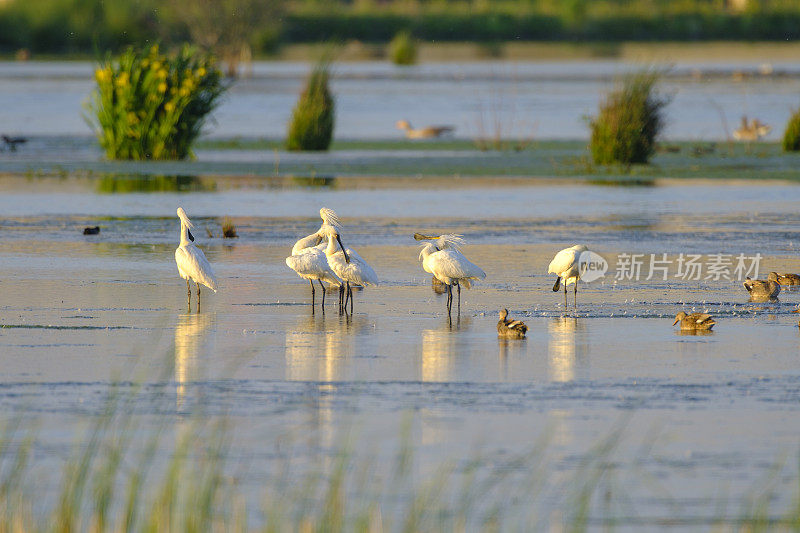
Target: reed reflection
<point x="191" y="339"/>
<point x="566" y="348"/>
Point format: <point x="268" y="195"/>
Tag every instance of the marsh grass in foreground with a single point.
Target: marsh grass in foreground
<point x="121" y="476"/>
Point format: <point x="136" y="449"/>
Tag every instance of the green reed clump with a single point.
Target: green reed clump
<point x="403" y="49"/>
<point x="791" y="137"/>
<point x="149" y="105"/>
<point x="311" y="126"/>
<point x="629" y="121"/>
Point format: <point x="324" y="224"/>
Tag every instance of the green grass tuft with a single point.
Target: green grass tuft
<point x="791" y="137"/>
<point x="311" y="126"/>
<point x="403" y="49"/>
<point x="629" y="121"/>
<point x="228" y="228"/>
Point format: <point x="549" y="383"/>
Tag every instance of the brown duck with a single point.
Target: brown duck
<point x="762" y="291"/>
<point x="694" y="321"/>
<point x="510" y="329"/>
<point x="788" y="279"/>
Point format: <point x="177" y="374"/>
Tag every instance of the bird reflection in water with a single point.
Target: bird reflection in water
<point x="442" y="351"/>
<point x="191" y="338"/>
<point x="510" y="349"/>
<point x="440" y="348"/>
<point x="319" y="351"/>
<point x="566" y="347"/>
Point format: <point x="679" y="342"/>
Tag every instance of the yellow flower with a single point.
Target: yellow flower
<point x="162" y="87"/>
<point x="184" y="91"/>
<point x="156" y="65"/>
<point x="102" y="75"/>
<point x="169" y="107"/>
<point x="162" y="74"/>
<point x="201" y="72"/>
<point x="132" y="118"/>
<point x="122" y="79"/>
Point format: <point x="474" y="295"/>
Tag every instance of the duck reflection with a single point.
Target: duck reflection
<point x="566" y="347"/>
<point x="190" y="340"/>
<point x="510" y="349"/>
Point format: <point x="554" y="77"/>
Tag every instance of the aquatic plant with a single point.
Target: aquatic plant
<point x="137" y="183"/>
<point x="791" y="137"/>
<point x="228" y="228"/>
<point x="403" y="49"/>
<point x="148" y="105"/>
<point x="629" y="121"/>
<point x="312" y="122"/>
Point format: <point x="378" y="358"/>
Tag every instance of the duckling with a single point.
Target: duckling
<point x="788" y="279"/>
<point x="694" y="321"/>
<point x="762" y="291"/>
<point x="510" y="329"/>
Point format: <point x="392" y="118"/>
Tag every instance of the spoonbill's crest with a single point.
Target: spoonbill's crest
<point x="185" y="218"/>
<point x="447" y="241"/>
<point x="330" y="217"/>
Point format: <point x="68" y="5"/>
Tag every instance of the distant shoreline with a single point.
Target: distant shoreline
<point x="632" y="51"/>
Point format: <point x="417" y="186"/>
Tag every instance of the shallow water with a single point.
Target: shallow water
<point x="713" y="413"/>
<point x="488" y="99"/>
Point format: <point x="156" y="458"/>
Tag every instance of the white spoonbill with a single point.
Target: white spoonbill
<point x="566" y="266"/>
<point x="348" y="265"/>
<point x="443" y="258"/>
<point x="192" y="263"/>
<point x="308" y="258"/>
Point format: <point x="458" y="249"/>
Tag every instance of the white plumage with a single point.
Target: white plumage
<point x="443" y="258"/>
<point x="192" y="263"/>
<point x="450" y="266"/>
<point x="353" y="268"/>
<point x="308" y="258"/>
<point x="566" y="266"/>
<point x="310" y="263"/>
<point x="348" y="265"/>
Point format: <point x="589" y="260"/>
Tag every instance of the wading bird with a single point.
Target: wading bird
<point x="751" y="130"/>
<point x="12" y="142"/>
<point x="192" y="263"/>
<point x="510" y="329"/>
<point x="422" y="133"/>
<point x="763" y="291"/>
<point x="443" y="258"/>
<point x="308" y="258"/>
<point x="566" y="266"/>
<point x="349" y="266"/>
<point x="694" y="321"/>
